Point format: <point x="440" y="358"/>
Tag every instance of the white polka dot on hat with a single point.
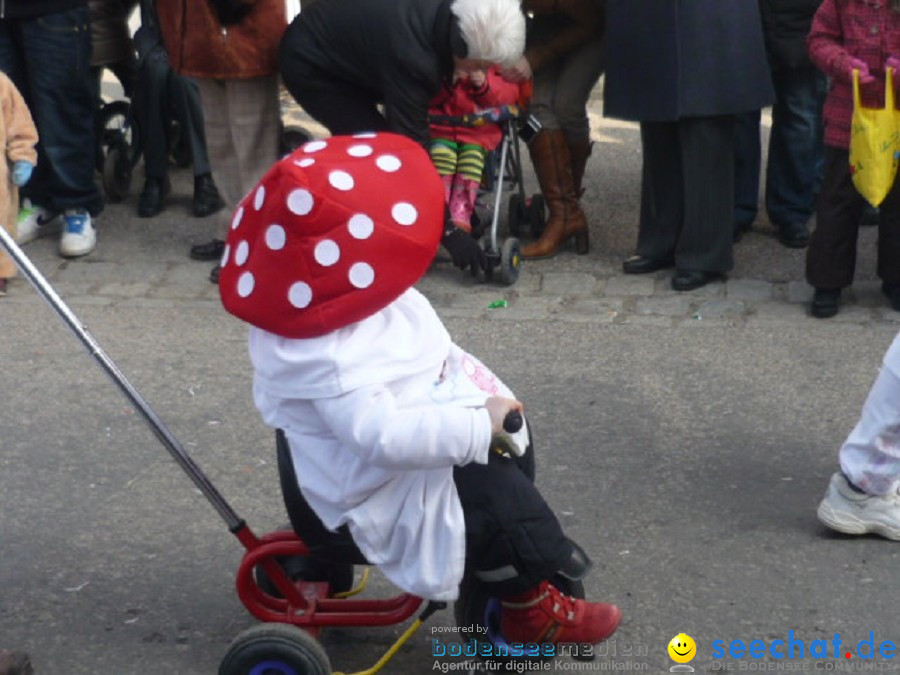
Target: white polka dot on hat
<point x="332" y="233"/>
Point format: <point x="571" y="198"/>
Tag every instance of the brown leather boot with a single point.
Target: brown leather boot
<point x="579" y="151"/>
<point x="553" y="165"/>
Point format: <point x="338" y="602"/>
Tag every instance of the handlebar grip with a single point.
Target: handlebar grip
<point x="512" y="422"/>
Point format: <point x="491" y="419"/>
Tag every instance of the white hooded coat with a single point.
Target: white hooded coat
<point x="377" y="415"/>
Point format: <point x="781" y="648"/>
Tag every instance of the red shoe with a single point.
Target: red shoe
<point x="545" y="614"/>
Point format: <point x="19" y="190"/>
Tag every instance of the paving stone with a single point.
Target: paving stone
<point x="628" y="285"/>
<point x="674" y="305"/>
<point x="569" y="283"/>
<point x="799" y="291"/>
<point x="717" y="308"/>
<point x="752" y="290"/>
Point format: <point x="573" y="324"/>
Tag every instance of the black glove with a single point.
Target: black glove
<point x="466" y="253"/>
<point x="230" y="12"/>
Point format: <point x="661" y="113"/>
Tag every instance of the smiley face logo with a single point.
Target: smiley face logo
<point x="682" y="648"/>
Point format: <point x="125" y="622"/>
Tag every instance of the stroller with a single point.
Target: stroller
<point x="503" y="171"/>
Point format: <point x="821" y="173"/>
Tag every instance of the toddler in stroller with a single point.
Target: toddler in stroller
<point x="389" y="422"/>
<point x="469" y="118"/>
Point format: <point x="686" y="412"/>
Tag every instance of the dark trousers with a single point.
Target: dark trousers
<point x="340" y="107"/>
<point x="513" y="539"/>
<point x="796" y="151"/>
<point x="48" y="59"/>
<point x="687" y="192"/>
<point x="160" y="91"/>
<point x="831" y="257"/>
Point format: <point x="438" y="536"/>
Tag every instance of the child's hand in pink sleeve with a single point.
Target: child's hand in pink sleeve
<point x="893" y="63"/>
<point x="865" y="77"/>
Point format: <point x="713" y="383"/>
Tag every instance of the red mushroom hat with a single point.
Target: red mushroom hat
<point x="333" y="233"/>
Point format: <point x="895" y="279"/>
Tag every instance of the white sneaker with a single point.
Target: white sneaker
<point x="851" y="512"/>
<point x="33" y="222"/>
<point x="78" y="237"/>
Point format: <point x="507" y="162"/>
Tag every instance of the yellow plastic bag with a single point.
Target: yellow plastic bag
<point x="874" y="144"/>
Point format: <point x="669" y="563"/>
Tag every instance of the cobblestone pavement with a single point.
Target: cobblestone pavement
<point x="144" y="261"/>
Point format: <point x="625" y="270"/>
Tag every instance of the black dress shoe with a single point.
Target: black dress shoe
<point x="155" y="191"/>
<point x="214" y="274"/>
<point x="211" y="250"/>
<point x="688" y="280"/>
<point x="639" y="264"/>
<point x="207" y="199"/>
<point x="825" y="302"/>
<point x="794" y="235"/>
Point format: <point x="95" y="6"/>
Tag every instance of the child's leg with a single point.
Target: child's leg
<point x="470" y="166"/>
<point x="865" y="496"/>
<point x="889" y="241"/>
<point x="870" y="457"/>
<point x="7" y="266"/>
<point x="831" y="257"/>
<point x="444" y="155"/>
<point x="514" y="544"/>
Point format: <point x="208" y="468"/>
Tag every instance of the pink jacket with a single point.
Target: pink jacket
<point x="844" y="29"/>
<point x="462" y="99"/>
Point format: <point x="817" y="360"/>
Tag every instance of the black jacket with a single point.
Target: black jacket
<point x="29" y="9"/>
<point x="785" y="27"/>
<point x="397" y="51"/>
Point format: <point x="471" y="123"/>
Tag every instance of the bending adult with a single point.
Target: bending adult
<point x="684" y="69"/>
<point x="564" y="53"/>
<point x="342" y="59"/>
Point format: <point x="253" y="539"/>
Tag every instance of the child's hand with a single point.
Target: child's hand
<point x="517" y="72"/>
<point x="477" y="78"/>
<point x="865" y="77"/>
<point x="498" y="407"/>
<point x="894" y="63"/>
<point x="21" y="172"/>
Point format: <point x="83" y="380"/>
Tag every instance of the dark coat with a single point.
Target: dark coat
<point x="785" y="26"/>
<point x="199" y="46"/>
<point x="670" y="59"/>
<point x="398" y="52"/>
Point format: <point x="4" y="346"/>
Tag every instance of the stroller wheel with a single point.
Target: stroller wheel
<point x="275" y="649"/>
<point x="117" y="173"/>
<point x="537" y="219"/>
<point x="517" y="215"/>
<point x="510" y="261"/>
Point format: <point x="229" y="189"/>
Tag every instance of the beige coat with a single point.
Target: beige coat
<point x="19" y="136"/>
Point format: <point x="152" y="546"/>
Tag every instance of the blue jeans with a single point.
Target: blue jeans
<point x="48" y="59"/>
<point x="796" y="150"/>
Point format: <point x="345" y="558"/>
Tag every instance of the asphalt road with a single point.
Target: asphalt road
<point x="685" y="450"/>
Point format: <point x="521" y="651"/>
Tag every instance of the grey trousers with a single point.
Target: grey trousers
<point x="562" y="89"/>
<point x="243" y="119"/>
<point x="687" y="192"/>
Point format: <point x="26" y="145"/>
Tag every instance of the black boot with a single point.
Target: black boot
<point x="152" y="196"/>
<point x="207" y="199"/>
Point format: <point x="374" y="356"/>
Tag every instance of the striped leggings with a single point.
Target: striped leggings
<point x="450" y="158"/>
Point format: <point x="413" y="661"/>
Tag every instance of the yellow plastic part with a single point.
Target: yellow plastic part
<point x="389" y="654"/>
<point x="363" y="582"/>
